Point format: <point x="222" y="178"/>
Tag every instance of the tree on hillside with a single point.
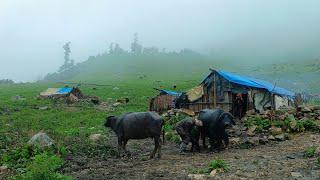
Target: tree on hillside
<point x="150" y="51"/>
<point x="118" y="50"/>
<point x="68" y="63"/>
<point x="136" y="48"/>
<point x="111" y="51"/>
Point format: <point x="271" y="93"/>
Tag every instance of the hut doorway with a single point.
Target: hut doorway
<point x="239" y="104"/>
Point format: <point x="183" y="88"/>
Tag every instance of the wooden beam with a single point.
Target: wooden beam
<point x="214" y="91"/>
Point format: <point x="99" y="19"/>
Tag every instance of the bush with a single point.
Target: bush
<point x="219" y="164"/>
<point x="310" y="125"/>
<point x="44" y="166"/>
<point x="310" y="152"/>
<point x="33" y="162"/>
<point x="261" y="123"/>
<point x="19" y="157"/>
<point x="318" y="161"/>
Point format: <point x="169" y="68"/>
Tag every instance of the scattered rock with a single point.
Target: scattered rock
<point x="96" y="137"/>
<point x="104" y="106"/>
<point x="296" y="174"/>
<point x="293" y="124"/>
<point x="305" y="109"/>
<point x="280" y="137"/>
<point x="123" y="100"/>
<point x="116" y="104"/>
<point x="235" y="141"/>
<point x="213" y="173"/>
<point x="18" y="98"/>
<point x="41" y="139"/>
<point x="263" y="140"/>
<point x="251" y="130"/>
<point x="16" y="109"/>
<point x="250" y="112"/>
<point x="72" y="99"/>
<point x="197" y="176"/>
<point x="44" y="108"/>
<point x="272" y="138"/>
<point x="3" y="169"/>
<point x="275" y="130"/>
<point x="253" y="141"/>
<point x="315" y="108"/>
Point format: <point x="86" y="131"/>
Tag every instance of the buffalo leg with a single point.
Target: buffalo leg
<point x="124" y="147"/>
<point x="159" y="148"/>
<point x="203" y="137"/>
<point x="125" y="141"/>
<point x="156" y="146"/>
<point x="225" y="139"/>
<point x="119" y="146"/>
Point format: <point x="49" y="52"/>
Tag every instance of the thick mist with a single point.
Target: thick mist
<point x="248" y="32"/>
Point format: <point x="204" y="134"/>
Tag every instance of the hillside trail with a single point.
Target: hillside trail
<point x="271" y="161"/>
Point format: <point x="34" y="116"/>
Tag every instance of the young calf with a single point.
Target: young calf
<point x="137" y="125"/>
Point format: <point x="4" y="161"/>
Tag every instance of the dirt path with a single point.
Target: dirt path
<point x="275" y="161"/>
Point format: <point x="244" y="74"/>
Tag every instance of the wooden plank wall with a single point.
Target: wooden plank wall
<point x="161" y="103"/>
<point x="207" y="100"/>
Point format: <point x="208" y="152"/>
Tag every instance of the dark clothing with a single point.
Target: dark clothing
<point x="188" y="133"/>
<point x="238" y="108"/>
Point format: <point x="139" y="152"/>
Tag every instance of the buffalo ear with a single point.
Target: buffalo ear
<point x="109" y="121"/>
<point x="228" y="115"/>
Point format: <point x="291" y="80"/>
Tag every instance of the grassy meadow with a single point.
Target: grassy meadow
<point x="71" y="125"/>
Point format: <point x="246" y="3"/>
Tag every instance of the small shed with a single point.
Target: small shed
<point x="223" y="89"/>
<point x="62" y="93"/>
<point x="164" y="101"/>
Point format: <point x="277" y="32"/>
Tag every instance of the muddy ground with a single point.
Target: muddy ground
<point x="275" y="160"/>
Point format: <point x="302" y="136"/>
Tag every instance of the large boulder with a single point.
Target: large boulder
<point x="96" y="137"/>
<point x="41" y="139"/>
<point x="251" y="130"/>
<point x="275" y="130"/>
<point x="305" y="109"/>
<point x="3" y="169"/>
<point x="280" y="137"/>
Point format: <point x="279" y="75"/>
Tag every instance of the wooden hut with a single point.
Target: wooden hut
<point x="164" y="101"/>
<point x="221" y="89"/>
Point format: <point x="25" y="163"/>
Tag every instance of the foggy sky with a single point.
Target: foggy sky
<point x="33" y="32"/>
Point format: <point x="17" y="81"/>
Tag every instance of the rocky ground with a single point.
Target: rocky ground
<point x="274" y="160"/>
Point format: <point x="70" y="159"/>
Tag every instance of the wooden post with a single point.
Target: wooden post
<point x="214" y="91"/>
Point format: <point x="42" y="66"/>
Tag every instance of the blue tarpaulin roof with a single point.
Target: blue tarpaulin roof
<point x="172" y="93"/>
<point x="64" y="90"/>
<point x="256" y="83"/>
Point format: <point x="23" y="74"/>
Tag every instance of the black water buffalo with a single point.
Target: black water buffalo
<point x="137" y="125"/>
<point x="215" y="122"/>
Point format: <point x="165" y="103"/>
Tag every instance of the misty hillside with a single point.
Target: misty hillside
<point x="186" y="65"/>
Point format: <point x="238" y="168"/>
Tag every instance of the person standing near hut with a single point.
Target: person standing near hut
<point x="185" y="128"/>
<point x="238" y="106"/>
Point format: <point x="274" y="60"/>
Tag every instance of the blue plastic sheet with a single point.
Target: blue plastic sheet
<point x="256" y="83"/>
<point x="64" y="90"/>
<point x="172" y="93"/>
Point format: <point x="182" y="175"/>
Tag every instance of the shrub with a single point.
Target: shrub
<point x="310" y="152"/>
<point x="44" y="166"/>
<point x="310" y="125"/>
<point x="19" y="157"/>
<point x="318" y="161"/>
<point x="261" y="123"/>
<point x="218" y="164"/>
